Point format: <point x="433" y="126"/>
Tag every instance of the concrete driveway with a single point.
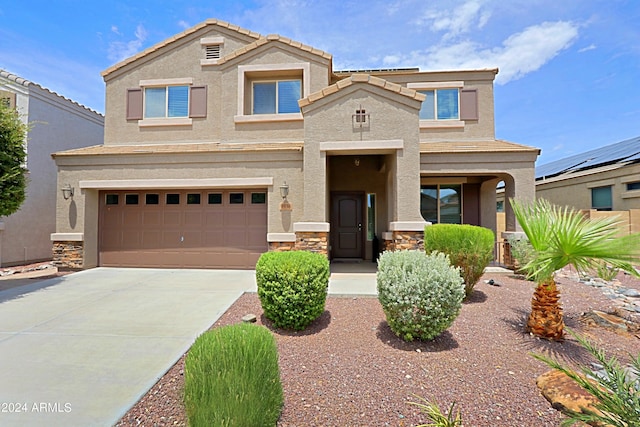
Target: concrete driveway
<point x="81" y="349"/>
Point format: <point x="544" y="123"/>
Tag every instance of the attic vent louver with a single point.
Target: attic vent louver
<point x="213" y="51"/>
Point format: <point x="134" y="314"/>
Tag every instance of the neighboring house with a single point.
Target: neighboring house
<point x="604" y="179"/>
<point x="221" y="144"/>
<point x="57" y="123"/>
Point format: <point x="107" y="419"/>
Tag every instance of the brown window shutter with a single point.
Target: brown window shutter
<point x="8" y="98"/>
<point x="134" y="104"/>
<point x="198" y="101"/>
<point x="469" y="104"/>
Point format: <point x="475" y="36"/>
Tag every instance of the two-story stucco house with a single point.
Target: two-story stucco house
<point x="221" y="144"/>
<point x="56" y="123"/>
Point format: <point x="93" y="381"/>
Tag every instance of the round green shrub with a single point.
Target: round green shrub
<point x="292" y="287"/>
<point x="421" y="295"/>
<point x="469" y="247"/>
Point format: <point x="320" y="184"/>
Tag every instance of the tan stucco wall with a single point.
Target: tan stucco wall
<point x="576" y="191"/>
<point x="56" y="124"/>
<point x="482" y="81"/>
<point x="393" y="117"/>
<point x="80" y="215"/>
<point x="182" y="60"/>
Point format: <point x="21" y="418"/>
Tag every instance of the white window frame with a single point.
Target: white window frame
<point x="276" y="81"/>
<point x="163" y="121"/>
<point x="241" y="117"/>
<point x="435" y="86"/>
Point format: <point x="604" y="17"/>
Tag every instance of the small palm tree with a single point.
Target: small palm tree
<point x="562" y="236"/>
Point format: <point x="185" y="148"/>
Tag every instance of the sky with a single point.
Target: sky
<point x="568" y="69"/>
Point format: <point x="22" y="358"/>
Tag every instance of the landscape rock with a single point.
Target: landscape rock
<point x="249" y="318"/>
<point x="563" y="393"/>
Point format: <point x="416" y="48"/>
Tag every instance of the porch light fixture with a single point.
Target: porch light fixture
<point x="284" y="190"/>
<point x="67" y="191"/>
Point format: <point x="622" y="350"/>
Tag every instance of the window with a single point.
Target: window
<point x="131" y="199"/>
<point x="193" y="198"/>
<point x="172" y="199"/>
<point x="111" y="199"/>
<point x="276" y="97"/>
<point x="215" y="198"/>
<point x="441" y="204"/>
<point x="633" y="186"/>
<point x="152" y="199"/>
<point x="170" y="101"/>
<point x="236" y="198"/>
<point x="371" y="216"/>
<point x="601" y="198"/>
<point x="440" y="104"/>
<point x="258" y="198"/>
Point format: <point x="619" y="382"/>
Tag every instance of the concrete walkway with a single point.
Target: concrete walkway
<point x="80" y="350"/>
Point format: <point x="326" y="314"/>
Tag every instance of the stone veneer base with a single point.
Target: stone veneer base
<point x="312" y="241"/>
<point x="68" y="255"/>
<point x="404" y="240"/>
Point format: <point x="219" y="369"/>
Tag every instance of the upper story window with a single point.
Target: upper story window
<point x="166" y="102"/>
<point x="447" y="104"/>
<point x="276" y="97"/>
<point x="441" y="104"/>
<point x="169" y="101"/>
<point x="270" y="92"/>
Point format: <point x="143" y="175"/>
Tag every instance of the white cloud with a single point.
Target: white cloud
<point x="520" y="54"/>
<point x="183" y="24"/>
<point x="456" y="21"/>
<point x="588" y="48"/>
<point x="114" y="29"/>
<point x="119" y="50"/>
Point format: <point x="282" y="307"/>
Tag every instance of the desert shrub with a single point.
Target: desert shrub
<point x="292" y="287"/>
<point x="521" y="251"/>
<point x="421" y="295"/>
<point x="606" y="272"/>
<point x="469" y="247"/>
<point x="617" y="388"/>
<point x="231" y="378"/>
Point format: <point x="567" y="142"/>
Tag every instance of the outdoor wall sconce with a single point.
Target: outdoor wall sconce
<point x="67" y="191"/>
<point x="284" y="192"/>
<point x="356" y="161"/>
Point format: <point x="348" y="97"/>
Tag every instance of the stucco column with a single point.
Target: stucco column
<point x="315" y="185"/>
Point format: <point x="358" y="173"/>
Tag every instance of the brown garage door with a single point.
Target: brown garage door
<point x="182" y="229"/>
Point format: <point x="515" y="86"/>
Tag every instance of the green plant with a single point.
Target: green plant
<point x="606" y="272"/>
<point x="232" y="378"/>
<point x="421" y="295"/>
<point x="292" y="287"/>
<point x="435" y="414"/>
<point x="616" y="388"/>
<point x="469" y="247"/>
<point x="562" y="236"/>
<point x="13" y="181"/>
<point x="521" y="250"/>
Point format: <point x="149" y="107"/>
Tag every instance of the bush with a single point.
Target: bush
<point x="469" y="247"/>
<point x="231" y="378"/>
<point x="421" y="295"/>
<point x="521" y="250"/>
<point x="292" y="287"/>
<point x="439" y="419"/>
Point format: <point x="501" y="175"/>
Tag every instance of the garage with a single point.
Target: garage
<point x="182" y="228"/>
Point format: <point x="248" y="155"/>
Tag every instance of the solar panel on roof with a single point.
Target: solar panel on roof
<point x="628" y="150"/>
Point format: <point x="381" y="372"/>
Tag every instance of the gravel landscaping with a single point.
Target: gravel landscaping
<point x="349" y="369"/>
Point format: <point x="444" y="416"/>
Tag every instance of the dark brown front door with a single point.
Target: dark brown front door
<point x="346" y="225"/>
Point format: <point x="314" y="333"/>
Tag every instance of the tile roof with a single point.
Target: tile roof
<point x="361" y="78"/>
<point x="620" y="152"/>
<point x="486" y="146"/>
<point x="260" y="40"/>
<point x="178" y="36"/>
<point x="182" y="148"/>
<point x="26" y="83"/>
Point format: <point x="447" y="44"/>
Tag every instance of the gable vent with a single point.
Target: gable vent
<point x="213" y="51"/>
